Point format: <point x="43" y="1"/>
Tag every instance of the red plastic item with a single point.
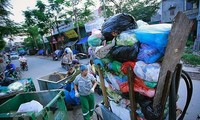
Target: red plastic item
<point x="125" y="66"/>
<point x="139" y="86"/>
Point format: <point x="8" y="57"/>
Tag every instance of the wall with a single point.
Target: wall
<point x="170" y="8"/>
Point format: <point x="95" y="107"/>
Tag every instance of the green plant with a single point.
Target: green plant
<point x="191" y="59"/>
<point x="188" y="50"/>
<point x="189" y="42"/>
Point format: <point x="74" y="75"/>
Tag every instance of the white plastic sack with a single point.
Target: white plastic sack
<point x="32" y="106"/>
<point x="16" y="86"/>
<point x="121" y="112"/>
<point x="141" y="23"/>
<point x="102" y="51"/>
<point x="113" y="81"/>
<point x="126" y="38"/>
<point x="148" y="72"/>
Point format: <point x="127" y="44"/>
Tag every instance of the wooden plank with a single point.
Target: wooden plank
<point x="175" y="47"/>
<point x="132" y="94"/>
<point x="165" y="93"/>
<point x="102" y="83"/>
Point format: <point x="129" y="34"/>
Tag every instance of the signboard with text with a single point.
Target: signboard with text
<point x="71" y="34"/>
<point x="63" y="27"/>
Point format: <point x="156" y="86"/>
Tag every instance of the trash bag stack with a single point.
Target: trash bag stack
<point x="139" y="46"/>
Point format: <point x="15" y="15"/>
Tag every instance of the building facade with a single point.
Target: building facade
<point x="169" y="9"/>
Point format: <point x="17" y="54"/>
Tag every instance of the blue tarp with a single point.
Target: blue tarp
<point x="83" y="40"/>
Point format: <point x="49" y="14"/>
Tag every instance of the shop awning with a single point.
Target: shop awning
<point x="71" y="43"/>
<point x="83" y="40"/>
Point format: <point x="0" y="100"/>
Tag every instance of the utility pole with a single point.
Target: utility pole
<point x="196" y="46"/>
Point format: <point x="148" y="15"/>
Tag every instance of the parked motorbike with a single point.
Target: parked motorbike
<point x="57" y="54"/>
<point x="5" y="81"/>
<point x="24" y="66"/>
<point x="55" y="57"/>
<point x="11" y="77"/>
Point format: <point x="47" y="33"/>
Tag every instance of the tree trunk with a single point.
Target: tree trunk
<point x="43" y="43"/>
<point x="35" y="42"/>
<point x="57" y="27"/>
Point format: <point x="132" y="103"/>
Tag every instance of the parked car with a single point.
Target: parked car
<point x="14" y="55"/>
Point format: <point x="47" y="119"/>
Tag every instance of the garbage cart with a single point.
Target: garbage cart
<point x="23" y="85"/>
<point x="53" y="106"/>
<point x="54" y="80"/>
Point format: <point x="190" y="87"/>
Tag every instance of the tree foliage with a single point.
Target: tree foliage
<point x="37" y="20"/>
<point x="139" y="9"/>
<point x="2" y="44"/>
<point x="7" y="27"/>
<point x="45" y="16"/>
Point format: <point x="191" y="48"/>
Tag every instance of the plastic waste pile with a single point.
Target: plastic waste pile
<point x="139" y="46"/>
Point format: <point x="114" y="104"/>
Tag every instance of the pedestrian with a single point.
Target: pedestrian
<point x="84" y="85"/>
<point x="91" y="68"/>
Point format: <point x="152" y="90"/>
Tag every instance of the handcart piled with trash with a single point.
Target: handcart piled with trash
<point x="138" y="71"/>
<point x="139" y="67"/>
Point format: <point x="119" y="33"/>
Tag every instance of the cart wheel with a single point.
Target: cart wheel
<point x="99" y="117"/>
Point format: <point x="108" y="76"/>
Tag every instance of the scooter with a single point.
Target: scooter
<point x="65" y="65"/>
<point x="24" y="66"/>
<point x="5" y="81"/>
<point x="55" y="57"/>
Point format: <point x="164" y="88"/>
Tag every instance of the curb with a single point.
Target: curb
<point x="194" y="72"/>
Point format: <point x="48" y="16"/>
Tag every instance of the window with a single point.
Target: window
<point x="172" y="12"/>
<point x="189" y="6"/>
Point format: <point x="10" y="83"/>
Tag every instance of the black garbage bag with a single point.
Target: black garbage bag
<point x="125" y="53"/>
<point x="147" y="109"/>
<point x="118" y="23"/>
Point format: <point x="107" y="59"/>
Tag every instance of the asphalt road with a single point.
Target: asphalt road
<point x="40" y="66"/>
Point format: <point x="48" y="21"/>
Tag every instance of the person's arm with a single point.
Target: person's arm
<point x="94" y="83"/>
<point x="76" y="87"/>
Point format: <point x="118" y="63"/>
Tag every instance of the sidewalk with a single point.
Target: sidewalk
<point x="194" y="72"/>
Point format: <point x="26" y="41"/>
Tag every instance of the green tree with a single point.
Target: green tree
<point x="139" y="9"/>
<point x="83" y="12"/>
<point x="37" y="18"/>
<point x="7" y="27"/>
<point x="33" y="33"/>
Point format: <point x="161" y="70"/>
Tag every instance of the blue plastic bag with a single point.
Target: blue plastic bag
<point x="70" y="94"/>
<point x="154" y="35"/>
<point x="98" y="62"/>
<point x="148" y="54"/>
